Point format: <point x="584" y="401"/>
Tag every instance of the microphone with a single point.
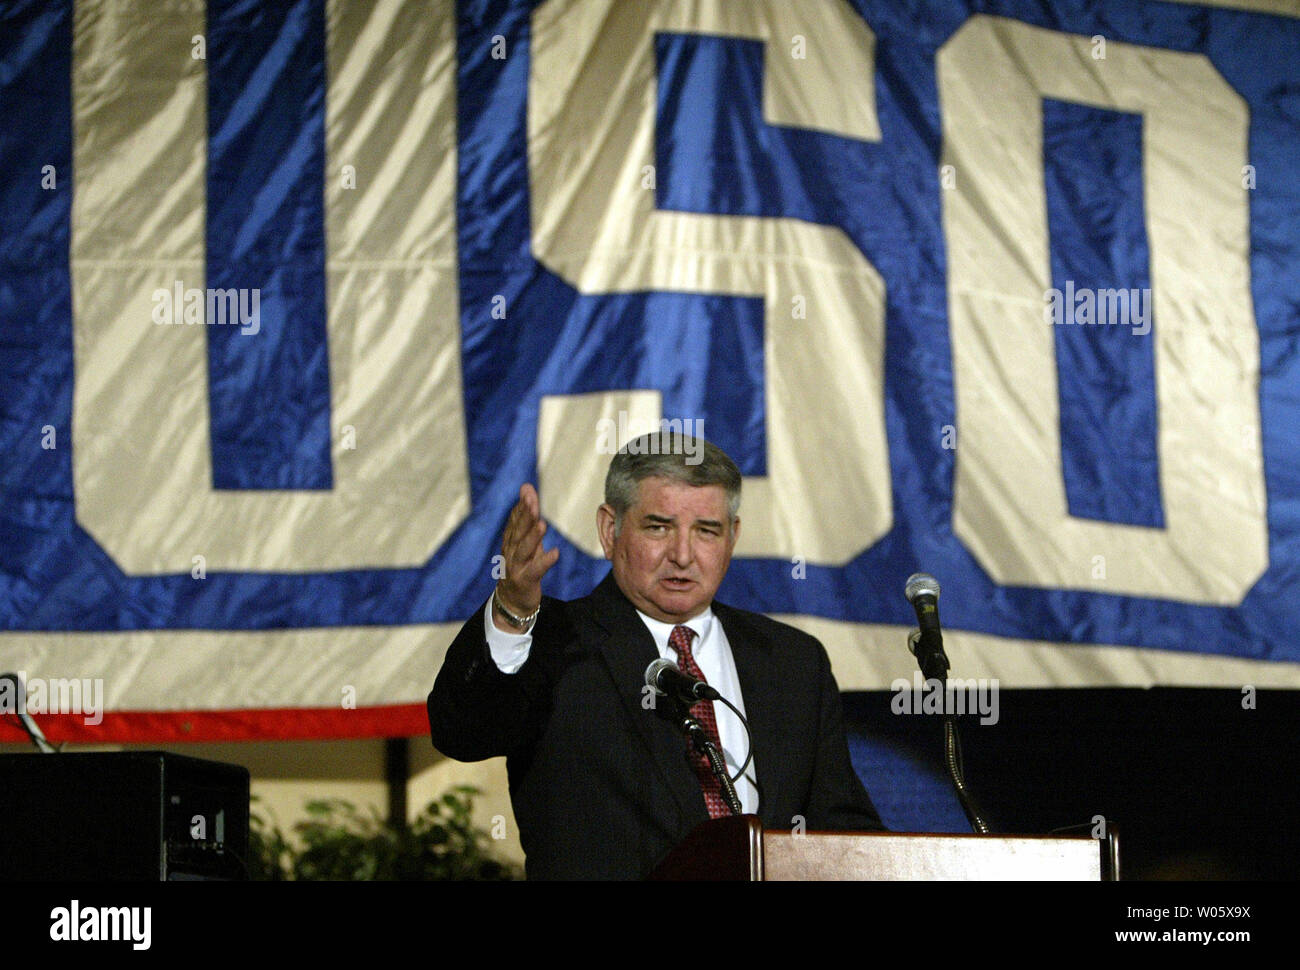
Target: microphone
<point x="922" y="591"/>
<point x="667" y="678"/>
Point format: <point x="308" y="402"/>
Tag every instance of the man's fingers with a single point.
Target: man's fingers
<point x="527" y="509"/>
<point x="528" y="543"/>
<point x="518" y="525"/>
<point x="537" y="567"/>
<point x="528" y="498"/>
<point x="526" y="559"/>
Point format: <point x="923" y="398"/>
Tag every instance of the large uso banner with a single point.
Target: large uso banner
<point x="295" y="295"/>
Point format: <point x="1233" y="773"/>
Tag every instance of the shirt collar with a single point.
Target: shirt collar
<point x="660" y="630"/>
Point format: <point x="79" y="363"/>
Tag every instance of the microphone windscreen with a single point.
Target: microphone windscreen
<point x="656" y="668"/>
<point x="921" y="584"/>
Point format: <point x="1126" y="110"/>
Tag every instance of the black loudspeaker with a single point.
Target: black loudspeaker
<point x="123" y="815"/>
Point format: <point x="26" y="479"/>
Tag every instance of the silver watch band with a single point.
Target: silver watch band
<point x="519" y="622"/>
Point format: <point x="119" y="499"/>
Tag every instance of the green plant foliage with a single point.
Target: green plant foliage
<point x="339" y="842"/>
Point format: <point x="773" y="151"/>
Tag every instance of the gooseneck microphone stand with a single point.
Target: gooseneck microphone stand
<point x="717" y="764"/>
<point x="926" y="644"/>
<point x="952" y="759"/>
<point x="935" y="668"/>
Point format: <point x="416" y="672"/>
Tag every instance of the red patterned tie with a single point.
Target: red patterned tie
<point x="702" y="711"/>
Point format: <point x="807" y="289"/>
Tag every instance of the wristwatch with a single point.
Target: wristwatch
<point x="518" y="622"/>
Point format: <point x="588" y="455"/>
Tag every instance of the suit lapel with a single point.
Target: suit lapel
<point x="761" y="688"/>
<point x="628" y="648"/>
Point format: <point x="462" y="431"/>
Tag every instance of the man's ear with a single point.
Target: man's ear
<point x="735" y="531"/>
<point x="605" y="520"/>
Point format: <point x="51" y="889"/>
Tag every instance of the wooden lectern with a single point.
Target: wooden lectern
<point x="738" y="849"/>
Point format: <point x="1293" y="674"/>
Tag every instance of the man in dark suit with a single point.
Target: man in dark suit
<point x="602" y="783"/>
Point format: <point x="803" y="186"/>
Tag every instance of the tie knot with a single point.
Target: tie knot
<point x="680" y="640"/>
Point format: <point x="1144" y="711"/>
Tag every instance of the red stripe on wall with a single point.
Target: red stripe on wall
<point x="274" y="724"/>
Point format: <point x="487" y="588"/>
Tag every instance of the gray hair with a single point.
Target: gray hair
<point x="669" y="454"/>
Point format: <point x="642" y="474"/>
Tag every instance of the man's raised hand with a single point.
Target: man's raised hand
<point x="525" y="560"/>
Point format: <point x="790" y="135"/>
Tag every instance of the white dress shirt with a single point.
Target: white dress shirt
<point x="711" y="651"/>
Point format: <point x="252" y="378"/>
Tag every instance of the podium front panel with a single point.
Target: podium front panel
<point x="929" y="857"/>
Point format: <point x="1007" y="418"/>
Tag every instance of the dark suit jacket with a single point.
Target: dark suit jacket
<point x="602" y="787"/>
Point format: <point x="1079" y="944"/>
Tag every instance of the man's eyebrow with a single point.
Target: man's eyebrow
<point x="670" y="520"/>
